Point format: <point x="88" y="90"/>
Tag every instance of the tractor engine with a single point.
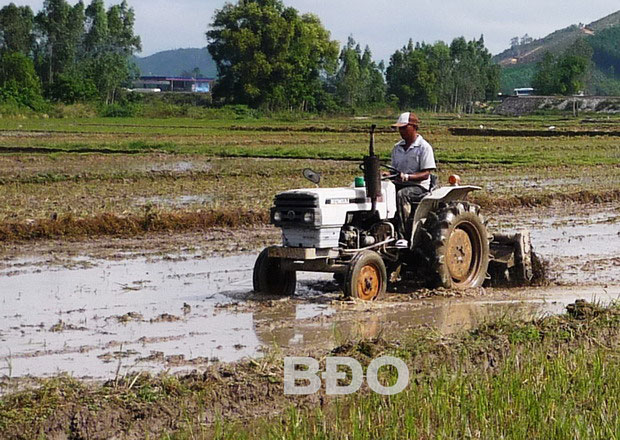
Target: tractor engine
<point x="323" y="218"/>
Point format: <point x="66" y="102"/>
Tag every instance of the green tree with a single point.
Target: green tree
<point x="268" y="55"/>
<point x="409" y="77"/>
<point x="571" y="70"/>
<point x="565" y="75"/>
<point x="121" y="36"/>
<point x="58" y="38"/>
<point x="97" y="34"/>
<point x="359" y="80"/>
<point x="544" y="80"/>
<point x="16" y="29"/>
<point x="73" y="87"/>
<point x="442" y="77"/>
<point x="109" y="42"/>
<point x="19" y="83"/>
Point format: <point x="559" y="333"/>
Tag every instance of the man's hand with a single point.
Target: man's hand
<point x="403" y="177"/>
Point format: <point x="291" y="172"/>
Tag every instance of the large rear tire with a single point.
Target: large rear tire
<point x="366" y="277"/>
<point x="269" y="278"/>
<point x="455" y="243"/>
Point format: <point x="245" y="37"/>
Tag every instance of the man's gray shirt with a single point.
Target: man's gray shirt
<point x="418" y="157"/>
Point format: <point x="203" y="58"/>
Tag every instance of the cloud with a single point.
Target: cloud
<point x="385" y="27"/>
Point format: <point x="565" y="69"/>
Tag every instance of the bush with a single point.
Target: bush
<point x="160" y="109"/>
<point x="79" y="110"/>
<point x="119" y="110"/>
<point x="19" y="84"/>
<point x="70" y="89"/>
<point x="13" y="109"/>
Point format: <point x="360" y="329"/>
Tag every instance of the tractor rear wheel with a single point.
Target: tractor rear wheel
<point x="366" y="277"/>
<point x="456" y="246"/>
<point x="269" y="277"/>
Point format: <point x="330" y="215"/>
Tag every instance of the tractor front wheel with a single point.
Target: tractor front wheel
<point x="269" y="277"/>
<point x="366" y="277"/>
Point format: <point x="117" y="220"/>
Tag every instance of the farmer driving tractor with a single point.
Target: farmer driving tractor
<point x="413" y="157"/>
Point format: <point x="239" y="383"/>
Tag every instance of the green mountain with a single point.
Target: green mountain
<point x="175" y="62"/>
<point x="519" y="62"/>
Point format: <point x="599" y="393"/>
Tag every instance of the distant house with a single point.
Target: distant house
<point x="174" y="84"/>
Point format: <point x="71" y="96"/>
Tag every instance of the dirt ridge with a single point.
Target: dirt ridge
<point x="111" y="224"/>
<point x="468" y="131"/>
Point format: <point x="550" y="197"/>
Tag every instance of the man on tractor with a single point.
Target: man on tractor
<point x="413" y="157"/>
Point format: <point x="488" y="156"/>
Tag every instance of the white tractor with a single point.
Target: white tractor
<point x="351" y="232"/>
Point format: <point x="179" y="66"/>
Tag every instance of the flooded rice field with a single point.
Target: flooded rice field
<point x="96" y="317"/>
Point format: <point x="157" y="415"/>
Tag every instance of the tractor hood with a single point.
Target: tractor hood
<point x="330" y="205"/>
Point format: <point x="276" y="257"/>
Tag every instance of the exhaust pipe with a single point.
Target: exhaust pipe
<point x="372" y="174"/>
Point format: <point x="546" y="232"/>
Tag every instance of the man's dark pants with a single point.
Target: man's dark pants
<point x="405" y="199"/>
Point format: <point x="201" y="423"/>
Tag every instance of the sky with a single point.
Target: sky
<point x="384" y="26"/>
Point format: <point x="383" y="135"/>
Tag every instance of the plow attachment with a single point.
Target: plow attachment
<point x="512" y="259"/>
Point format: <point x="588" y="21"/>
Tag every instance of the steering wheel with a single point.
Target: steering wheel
<point x="394" y="175"/>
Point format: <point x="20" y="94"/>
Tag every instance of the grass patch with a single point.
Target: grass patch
<point x="334" y="139"/>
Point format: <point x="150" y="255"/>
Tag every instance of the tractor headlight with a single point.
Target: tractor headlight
<point x="277" y="216"/>
<point x="309" y="217"/>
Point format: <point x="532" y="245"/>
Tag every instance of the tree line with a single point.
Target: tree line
<point x="67" y="53"/>
<point x="268" y="55"/>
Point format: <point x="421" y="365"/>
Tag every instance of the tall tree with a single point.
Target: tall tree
<point x="16" y="29"/>
<point x="410" y="78"/>
<point x="97" y="34"/>
<point x="122" y="40"/>
<point x="359" y="80"/>
<point x="59" y="30"/>
<point x="269" y="55"/>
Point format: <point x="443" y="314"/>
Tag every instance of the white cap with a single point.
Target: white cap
<point x="406" y="119"/>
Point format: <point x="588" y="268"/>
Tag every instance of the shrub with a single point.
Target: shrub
<point x="19" y="84"/>
<point x="79" y="110"/>
<point x="122" y="110"/>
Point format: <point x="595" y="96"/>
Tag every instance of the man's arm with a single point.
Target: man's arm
<point x="415" y="177"/>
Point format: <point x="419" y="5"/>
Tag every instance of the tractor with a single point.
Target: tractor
<point x="351" y="232"/>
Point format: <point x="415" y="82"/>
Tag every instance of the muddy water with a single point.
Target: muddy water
<point x="581" y="248"/>
<point x="99" y="318"/>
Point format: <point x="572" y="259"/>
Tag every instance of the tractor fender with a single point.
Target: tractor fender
<point x="440" y="195"/>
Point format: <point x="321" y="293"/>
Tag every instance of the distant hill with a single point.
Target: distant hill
<point x="519" y="62"/>
<point x="174" y="62"/>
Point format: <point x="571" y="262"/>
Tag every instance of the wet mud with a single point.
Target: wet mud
<point x="112" y="309"/>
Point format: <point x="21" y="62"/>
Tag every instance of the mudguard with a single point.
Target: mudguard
<point x="439" y="195"/>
